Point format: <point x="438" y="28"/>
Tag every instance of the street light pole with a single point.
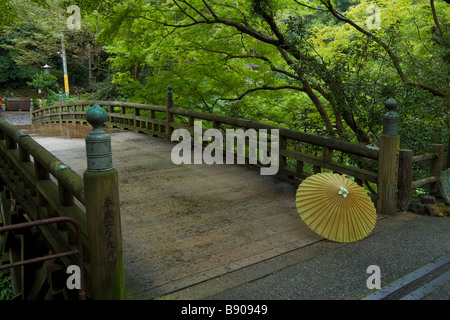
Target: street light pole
<point x="66" y="77"/>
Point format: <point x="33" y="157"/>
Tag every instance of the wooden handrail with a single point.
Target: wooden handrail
<point x="43" y="196"/>
<point x="331" y="143"/>
<point x="405" y="177"/>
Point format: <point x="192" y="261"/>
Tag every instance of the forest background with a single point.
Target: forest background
<point x="320" y="66"/>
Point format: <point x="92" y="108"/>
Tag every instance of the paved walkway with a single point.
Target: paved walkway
<point x="225" y="232"/>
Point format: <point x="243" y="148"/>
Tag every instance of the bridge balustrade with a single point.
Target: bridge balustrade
<point x="331" y="154"/>
<point x="47" y="188"/>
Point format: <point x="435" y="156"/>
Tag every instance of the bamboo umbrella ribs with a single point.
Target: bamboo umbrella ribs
<point x="335" y="207"/>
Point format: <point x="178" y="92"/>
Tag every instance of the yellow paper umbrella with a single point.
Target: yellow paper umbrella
<point x="335" y="207"/>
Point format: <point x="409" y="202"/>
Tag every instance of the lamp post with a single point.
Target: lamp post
<point x="63" y="55"/>
<point x="46" y="68"/>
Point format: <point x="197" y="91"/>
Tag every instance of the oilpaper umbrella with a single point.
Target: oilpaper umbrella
<point x="335" y="207"/>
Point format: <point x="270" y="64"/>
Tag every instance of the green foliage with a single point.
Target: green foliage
<point x="227" y="67"/>
<point x="9" y="11"/>
<point x="53" y="99"/>
<point x="6" y="290"/>
<point x="48" y="83"/>
<point x="11" y="75"/>
<point x="108" y="91"/>
<point x="35" y="38"/>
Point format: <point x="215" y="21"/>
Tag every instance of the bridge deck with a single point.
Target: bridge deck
<point x="185" y="224"/>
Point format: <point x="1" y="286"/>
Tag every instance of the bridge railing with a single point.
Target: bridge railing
<point x="48" y="188"/>
<point x="406" y="184"/>
<point x="45" y="186"/>
<point x="331" y="154"/>
<point x="155" y="120"/>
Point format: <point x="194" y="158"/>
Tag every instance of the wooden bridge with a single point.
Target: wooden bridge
<point x="181" y="225"/>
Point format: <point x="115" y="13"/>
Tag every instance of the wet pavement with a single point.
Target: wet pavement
<point x="21" y="120"/>
<point x="17" y="118"/>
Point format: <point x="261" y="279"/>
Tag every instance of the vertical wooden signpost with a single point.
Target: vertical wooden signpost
<point x="388" y="161"/>
<point x="103" y="212"/>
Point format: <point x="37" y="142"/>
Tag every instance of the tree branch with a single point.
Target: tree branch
<point x="263" y="58"/>
<point x="184" y="12"/>
<point x="258" y="35"/>
<point x="440" y="33"/>
<point x="209" y="9"/>
<point x="263" y="88"/>
<point x="394" y="58"/>
<point x="309" y="7"/>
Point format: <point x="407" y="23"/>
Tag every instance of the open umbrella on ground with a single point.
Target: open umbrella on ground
<point x="335" y="207"/>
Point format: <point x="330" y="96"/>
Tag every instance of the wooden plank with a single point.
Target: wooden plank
<point x="16" y="254"/>
<point x="423" y="157"/>
<point x="405" y="179"/>
<point x="50" y="192"/>
<point x="40" y="278"/>
<point x="422" y="182"/>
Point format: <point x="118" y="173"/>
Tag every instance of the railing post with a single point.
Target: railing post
<point x="437" y="165"/>
<point x="448" y="153"/>
<point x="31" y="110"/>
<point x="137" y="113"/>
<point x="169" y="115"/>
<point x="405" y="166"/>
<point x="388" y="161"/>
<point x="282" y="159"/>
<point x="103" y="212"/>
<point x="60" y="107"/>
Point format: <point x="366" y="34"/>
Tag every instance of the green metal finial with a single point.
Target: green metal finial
<point x="96" y="116"/>
<point x="391" y="104"/>
<point x="170" y="94"/>
<point x="98" y="142"/>
<point x="390" y="119"/>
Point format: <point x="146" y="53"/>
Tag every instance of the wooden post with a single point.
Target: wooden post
<point x="150" y="125"/>
<point x="41" y="174"/>
<point x="282" y="159"/>
<point x="388" y="161"/>
<point x="437" y="165"/>
<point x="448" y="152"/>
<point x="111" y="118"/>
<point x="103" y="212"/>
<point x="123" y="121"/>
<point x="60" y="107"/>
<point x="31" y="110"/>
<point x="405" y="179"/>
<point x="137" y="113"/>
<point x="169" y="115"/>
